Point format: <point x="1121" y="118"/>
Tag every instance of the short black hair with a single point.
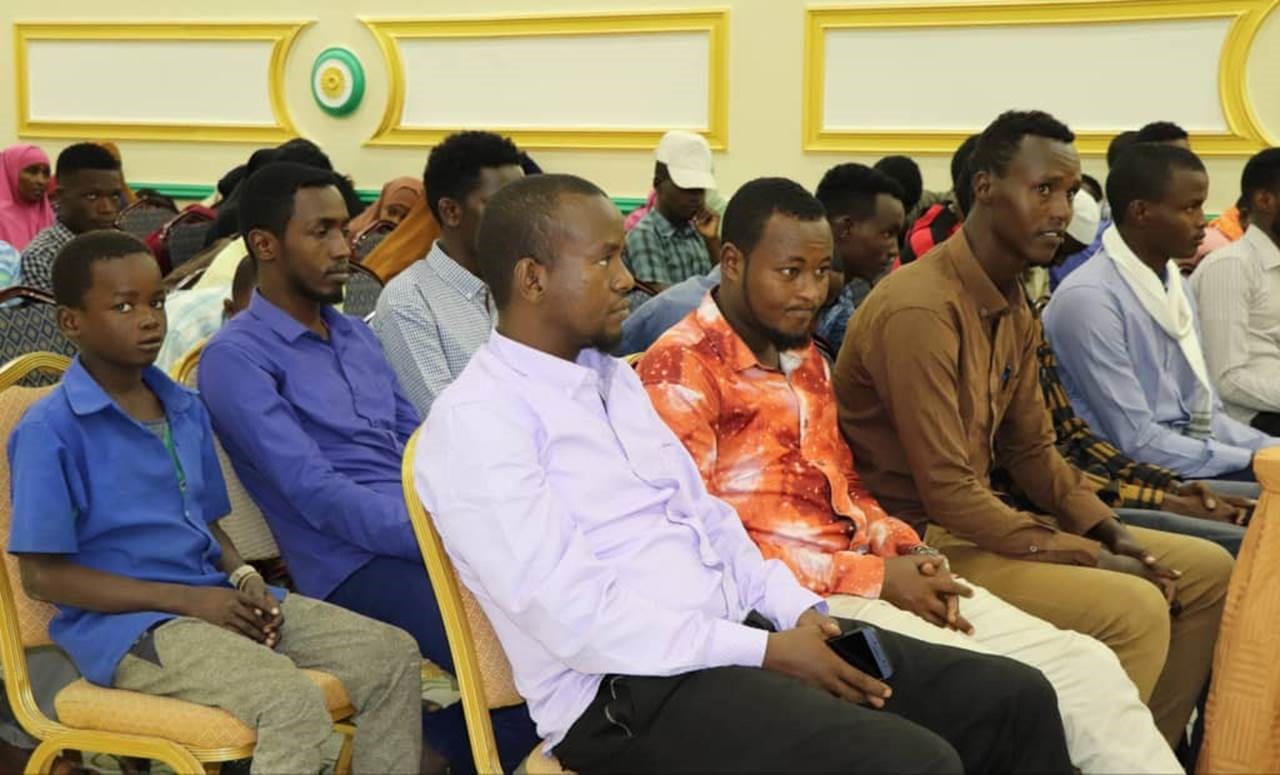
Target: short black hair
<point x="1118" y="145"/>
<point x="1000" y="141"/>
<point x="303" y="151"/>
<point x="266" y="196"/>
<point x="906" y="172"/>
<point x="962" y="173"/>
<point x="1143" y="173"/>
<point x="1261" y="172"/>
<point x="84" y="156"/>
<point x="851" y="189"/>
<point x="73" y="266"/>
<point x="228" y="182"/>
<point x="454" y="166"/>
<point x="519" y="222"/>
<point x="756" y="201"/>
<point x="1160" y="132"/>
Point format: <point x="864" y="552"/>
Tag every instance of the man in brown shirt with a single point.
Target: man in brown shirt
<point x="938" y="382"/>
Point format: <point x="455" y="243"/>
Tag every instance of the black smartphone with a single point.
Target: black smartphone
<point x="859" y="646"/>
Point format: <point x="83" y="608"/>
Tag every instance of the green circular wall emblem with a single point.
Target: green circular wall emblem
<point x="337" y="81"/>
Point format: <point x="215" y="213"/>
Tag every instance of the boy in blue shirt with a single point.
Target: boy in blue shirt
<point x="116" y="491"/>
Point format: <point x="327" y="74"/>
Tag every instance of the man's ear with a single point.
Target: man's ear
<point x="69" y="322"/>
<point x="529" y="280"/>
<point x="733" y="264"/>
<point x="1139" y="209"/>
<point x="264" y="245"/>
<point x="981" y="183"/>
<point x="450" y="212"/>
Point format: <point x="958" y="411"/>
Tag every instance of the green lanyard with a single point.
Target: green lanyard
<point x="173" y="455"/>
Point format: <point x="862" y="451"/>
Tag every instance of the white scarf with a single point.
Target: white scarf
<point x="1171" y="309"/>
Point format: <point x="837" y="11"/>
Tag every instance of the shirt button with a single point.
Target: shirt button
<point x="1034" y="549"/>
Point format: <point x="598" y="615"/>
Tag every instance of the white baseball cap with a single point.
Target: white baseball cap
<point x="1085" y="217"/>
<point x="688" y="159"/>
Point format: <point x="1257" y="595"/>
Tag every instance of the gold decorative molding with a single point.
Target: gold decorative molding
<point x="281" y="33"/>
<point x="715" y="23"/>
<point x="1244" y="136"/>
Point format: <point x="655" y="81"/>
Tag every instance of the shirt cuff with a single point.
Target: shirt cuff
<point x="786" y="599"/>
<point x="1228" y="459"/>
<point x="734" y="644"/>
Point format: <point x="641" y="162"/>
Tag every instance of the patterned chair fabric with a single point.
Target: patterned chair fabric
<point x="362" y="292"/>
<point x="145" y="216"/>
<point x="33" y="328"/>
<point x="184" y="241"/>
<point x="364" y="242"/>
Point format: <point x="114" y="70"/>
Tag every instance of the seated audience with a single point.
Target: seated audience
<point x="393" y="204"/>
<point x="905" y="171"/>
<point x="25" y="209"/>
<point x="312" y="418"/>
<point x="116" y="495"/>
<point x="678" y="237"/>
<point x="943" y="219"/>
<point x="1233" y="221"/>
<point x="642" y="625"/>
<point x="1163" y="133"/>
<point x="938" y="383"/>
<point x="88" y="193"/>
<point x="866" y="210"/>
<point x="726" y="380"/>
<point x="1237" y="291"/>
<point x="127" y="195"/>
<point x="197" y="314"/>
<point x="1124" y="328"/>
<point x="436" y="313"/>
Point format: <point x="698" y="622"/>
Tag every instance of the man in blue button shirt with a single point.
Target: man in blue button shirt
<point x="315" y="423"/>
<point x="116" y="490"/>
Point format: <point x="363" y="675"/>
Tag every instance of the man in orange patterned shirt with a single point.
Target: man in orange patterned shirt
<point x="742" y="385"/>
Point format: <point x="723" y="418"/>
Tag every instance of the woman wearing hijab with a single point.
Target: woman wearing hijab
<point x="24" y="200"/>
<point x="393" y="204"/>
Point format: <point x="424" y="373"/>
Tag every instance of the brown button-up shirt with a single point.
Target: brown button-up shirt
<point x="937" y="382"/>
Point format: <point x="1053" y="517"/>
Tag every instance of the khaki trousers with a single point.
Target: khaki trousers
<point x="1168" y="658"/>
<point x="378" y="664"/>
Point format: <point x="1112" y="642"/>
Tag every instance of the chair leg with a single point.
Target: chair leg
<point x="343" y="765"/>
<point x="212" y="768"/>
<point x="42" y="758"/>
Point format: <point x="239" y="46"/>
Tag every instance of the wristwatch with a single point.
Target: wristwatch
<point x="929" y="551"/>
<point x="241" y="574"/>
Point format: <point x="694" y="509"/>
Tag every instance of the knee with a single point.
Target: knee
<point x="1206" y="573"/>
<point x="1140" y="613"/>
<point x="907" y="748"/>
<point x="1028" y="693"/>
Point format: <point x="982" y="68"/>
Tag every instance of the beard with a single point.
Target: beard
<point x="779" y="339"/>
<point x="606" y="341"/>
<point x="320" y="297"/>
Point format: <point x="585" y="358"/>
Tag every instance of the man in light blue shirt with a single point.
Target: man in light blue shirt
<point x="437" y="312"/>
<point x="642" y="625"/>
<point x="1125" y="329"/>
<point x="652" y="318"/>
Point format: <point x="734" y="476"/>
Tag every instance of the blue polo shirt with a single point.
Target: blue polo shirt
<point x="92" y="483"/>
<point x="316" y="428"/>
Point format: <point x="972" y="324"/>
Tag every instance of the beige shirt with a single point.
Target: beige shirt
<point x="1237" y="290"/>
<point x="937" y="383"/>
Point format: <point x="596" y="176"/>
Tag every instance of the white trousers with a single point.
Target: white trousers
<point x="1108" y="728"/>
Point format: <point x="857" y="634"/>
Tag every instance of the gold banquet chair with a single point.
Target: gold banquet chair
<point x="188" y="737"/>
<point x="479" y="663"/>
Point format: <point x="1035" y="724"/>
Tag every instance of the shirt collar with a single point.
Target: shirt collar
<point x="590" y="368"/>
<point x="285" y="326"/>
<point x="727" y="344"/>
<point x="666" y="227"/>
<point x="453" y="273"/>
<point x="977" y="283"/>
<point x="86" y="396"/>
<point x="1263" y="247"/>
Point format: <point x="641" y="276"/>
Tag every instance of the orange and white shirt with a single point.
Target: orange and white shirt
<point x="767" y="441"/>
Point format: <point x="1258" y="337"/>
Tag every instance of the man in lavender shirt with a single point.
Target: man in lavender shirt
<point x="644" y="628"/>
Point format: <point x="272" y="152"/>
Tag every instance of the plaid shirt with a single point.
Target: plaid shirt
<point x="660" y="252"/>
<point x="37" y="257"/>
<point x="431" y="319"/>
<point x="1122" y="482"/>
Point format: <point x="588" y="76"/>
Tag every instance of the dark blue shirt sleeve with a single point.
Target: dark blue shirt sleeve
<point x="45" y="492"/>
<point x="260" y="431"/>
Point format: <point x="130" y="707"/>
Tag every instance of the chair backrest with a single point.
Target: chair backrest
<point x="362" y="291"/>
<point x="479" y="663"/>
<point x="363" y="243"/>
<point x="183" y="237"/>
<point x="30" y="329"/>
<point x="244" y="525"/>
<point x="25" y="294"/>
<point x="145" y="216"/>
<point x="24" y="623"/>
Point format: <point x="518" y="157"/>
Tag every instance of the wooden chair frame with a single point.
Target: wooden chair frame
<point x="55" y="737"/>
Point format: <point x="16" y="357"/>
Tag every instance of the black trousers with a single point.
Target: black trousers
<point x="1267" y="422"/>
<point x="951" y="711"/>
